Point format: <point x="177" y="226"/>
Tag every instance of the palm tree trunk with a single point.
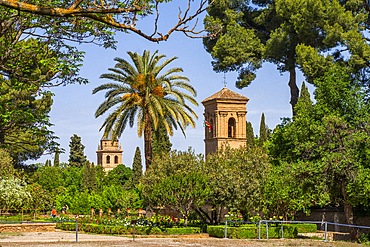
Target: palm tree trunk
<point x="294" y="90"/>
<point x="148" y="133"/>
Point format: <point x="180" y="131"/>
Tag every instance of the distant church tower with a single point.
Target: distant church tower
<point x="109" y="154"/>
<point x="225" y="120"/>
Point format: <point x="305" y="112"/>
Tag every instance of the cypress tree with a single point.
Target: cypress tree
<point x="305" y="103"/>
<point x="88" y="181"/>
<point x="56" y="158"/>
<point x="76" y="152"/>
<point x="93" y="177"/>
<point x="161" y="142"/>
<point x="137" y="167"/>
<point x="263" y="130"/>
<point x="250" y="134"/>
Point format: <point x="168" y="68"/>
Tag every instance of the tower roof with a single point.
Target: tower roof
<point x="225" y="94"/>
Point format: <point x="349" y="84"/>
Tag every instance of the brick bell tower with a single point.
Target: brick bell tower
<point x="225" y="120"/>
<point x="109" y="153"/>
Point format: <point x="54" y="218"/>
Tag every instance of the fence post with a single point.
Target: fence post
<point x="267" y="230"/>
<point x="259" y="230"/>
<point x="326" y="231"/>
<point x="282" y="231"/>
<point x="77" y="228"/>
<point x="225" y="231"/>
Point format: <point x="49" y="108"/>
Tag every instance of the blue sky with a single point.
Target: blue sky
<point x="74" y="105"/>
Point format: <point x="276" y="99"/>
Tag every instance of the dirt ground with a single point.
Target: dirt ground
<point x="68" y="239"/>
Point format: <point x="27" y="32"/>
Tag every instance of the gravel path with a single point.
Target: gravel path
<point x="68" y="239"/>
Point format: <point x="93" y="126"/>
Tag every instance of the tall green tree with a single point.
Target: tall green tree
<point x="24" y="120"/>
<point x="236" y="180"/>
<point x="161" y="141"/>
<point x="250" y="134"/>
<point x="144" y="91"/>
<point x="137" y="167"/>
<point x="264" y="131"/>
<point x="34" y="57"/>
<point x="88" y="180"/>
<point x="56" y="158"/>
<point x="291" y="34"/>
<point x="177" y="181"/>
<point x="77" y="156"/>
<point x="329" y="142"/>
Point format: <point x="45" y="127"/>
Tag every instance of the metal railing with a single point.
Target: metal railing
<point x="324" y="224"/>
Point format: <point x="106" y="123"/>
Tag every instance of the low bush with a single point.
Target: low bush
<point x="182" y="230"/>
<point x="251" y="231"/>
<point x="126" y="230"/>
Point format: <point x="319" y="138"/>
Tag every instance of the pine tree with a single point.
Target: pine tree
<point x="56" y="158"/>
<point x="76" y="152"/>
<point x="263" y="131"/>
<point x="137" y="167"/>
<point x="250" y="134"/>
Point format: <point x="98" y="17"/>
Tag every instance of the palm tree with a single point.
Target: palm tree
<point x="144" y="92"/>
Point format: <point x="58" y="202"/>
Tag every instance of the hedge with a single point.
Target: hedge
<point x="124" y="230"/>
<point x="182" y="230"/>
<point x="251" y="231"/>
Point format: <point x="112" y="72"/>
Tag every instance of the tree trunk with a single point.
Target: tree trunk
<point x="148" y="133"/>
<point x="294" y="90"/>
<point x="2" y="137"/>
<point x="203" y="215"/>
<point x="348" y="211"/>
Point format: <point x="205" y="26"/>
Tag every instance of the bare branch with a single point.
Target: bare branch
<point x="110" y="14"/>
<point x="76" y="4"/>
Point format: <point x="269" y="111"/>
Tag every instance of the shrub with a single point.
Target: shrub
<point x="251" y="231"/>
<point x="182" y="230"/>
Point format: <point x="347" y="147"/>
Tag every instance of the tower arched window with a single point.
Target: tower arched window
<point x="231" y="128"/>
<point x="108" y="159"/>
<point x="116" y="159"/>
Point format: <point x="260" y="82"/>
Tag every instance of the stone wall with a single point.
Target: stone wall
<point x="28" y="227"/>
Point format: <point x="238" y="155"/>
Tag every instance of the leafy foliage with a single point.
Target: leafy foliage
<point x="6" y="164"/>
<point x="236" y="179"/>
<point x="24" y="120"/>
<point x="177" y="181"/>
<point x="327" y="144"/>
